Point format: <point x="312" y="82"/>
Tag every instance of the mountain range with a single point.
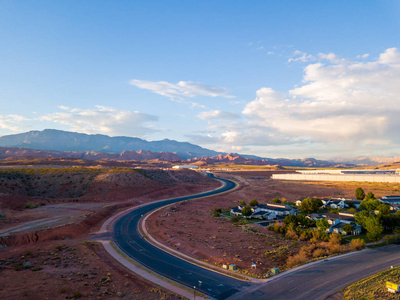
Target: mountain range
<point x="57" y="140"/>
<point x="56" y="143"/>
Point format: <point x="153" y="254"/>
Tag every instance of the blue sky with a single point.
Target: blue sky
<point x="270" y="78"/>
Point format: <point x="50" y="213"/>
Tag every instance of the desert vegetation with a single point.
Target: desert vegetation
<point x="374" y="287"/>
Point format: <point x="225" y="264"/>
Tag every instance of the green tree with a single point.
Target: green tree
<point x="253" y="202"/>
<point x="304" y="221"/>
<point x="390" y="220"/>
<point x="246" y="211"/>
<point x="310" y="205"/>
<point x="370" y="196"/>
<point x="322" y="224"/>
<point x="360" y="194"/>
<point x="384" y="209"/>
<point x="242" y="202"/>
<point x="348" y="228"/>
<point x="369" y="205"/>
<point x="374" y="228"/>
<point x="276" y="200"/>
<point x="290" y="219"/>
<point x="361" y="216"/>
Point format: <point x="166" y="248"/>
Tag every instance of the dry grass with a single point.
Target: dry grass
<point x="374" y="287"/>
<point x="357" y="244"/>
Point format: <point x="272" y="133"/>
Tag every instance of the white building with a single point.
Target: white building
<point x="186" y="167"/>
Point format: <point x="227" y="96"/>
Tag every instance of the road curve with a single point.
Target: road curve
<point x="127" y="237"/>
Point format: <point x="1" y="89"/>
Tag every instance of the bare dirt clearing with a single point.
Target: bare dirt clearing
<point x="70" y="269"/>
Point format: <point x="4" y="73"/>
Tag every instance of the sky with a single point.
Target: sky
<point x="270" y="78"/>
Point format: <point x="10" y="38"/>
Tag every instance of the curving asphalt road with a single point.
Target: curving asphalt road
<point x="126" y="235"/>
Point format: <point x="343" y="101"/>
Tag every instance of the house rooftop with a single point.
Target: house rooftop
<point x="272" y="207"/>
<point x="339" y="225"/>
<point x="236" y="210"/>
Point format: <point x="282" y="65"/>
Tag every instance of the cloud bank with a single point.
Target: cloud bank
<point x="104" y="120"/>
<point x="182" y="89"/>
<point x="343" y="102"/>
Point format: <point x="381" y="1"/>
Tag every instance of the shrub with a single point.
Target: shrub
<point x="243" y="222"/>
<point x="217" y="212"/>
<point x="235" y="219"/>
<point x="319" y="252"/>
<point x="27" y="265"/>
<point x="276" y="200"/>
<point x="296" y="259"/>
<point x="18" y="267"/>
<point x="60" y="246"/>
<point x="253" y="202"/>
<point x="357" y="244"/>
<point x="291" y="234"/>
<point x="76" y="294"/>
<point x="304" y="236"/>
<point x="336" y="248"/>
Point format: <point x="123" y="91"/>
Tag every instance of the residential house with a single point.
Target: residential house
<point x="266" y="211"/>
<point x="315" y="217"/>
<point x="236" y="211"/>
<point x="324" y="200"/>
<point x="335" y="204"/>
<point x="390" y="200"/>
<point x="338" y="228"/>
<point x="278" y="209"/>
<point x="264" y="215"/>
<point x="332" y="219"/>
<point x="394" y="207"/>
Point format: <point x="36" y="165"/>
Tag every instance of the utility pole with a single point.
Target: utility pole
<point x="194" y="293"/>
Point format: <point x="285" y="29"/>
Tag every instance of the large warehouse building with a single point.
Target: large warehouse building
<point x="342" y="175"/>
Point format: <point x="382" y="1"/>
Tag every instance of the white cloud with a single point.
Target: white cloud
<point x="182" y="89"/>
<point x="12" y="122"/>
<point x="344" y="102"/>
<point x="341" y="105"/>
<point x="332" y="57"/>
<point x="300" y="56"/>
<point x="217" y="115"/>
<point x="104" y="120"/>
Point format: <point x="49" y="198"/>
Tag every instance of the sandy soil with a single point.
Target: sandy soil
<point x="98" y="190"/>
<point x="69" y="269"/>
<point x="191" y="228"/>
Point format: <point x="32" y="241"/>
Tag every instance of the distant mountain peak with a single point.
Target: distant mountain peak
<point x="59" y="140"/>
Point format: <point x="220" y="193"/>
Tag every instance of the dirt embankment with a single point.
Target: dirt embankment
<point x="70" y="269"/>
<point x="23" y="189"/>
<point x="69" y="231"/>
